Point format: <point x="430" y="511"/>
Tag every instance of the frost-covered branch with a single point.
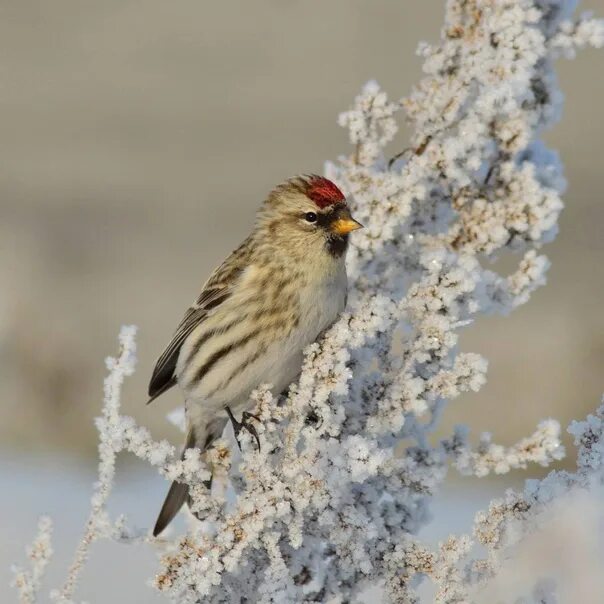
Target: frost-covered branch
<point x="509" y="520"/>
<point x="98" y="524"/>
<point x="329" y="504"/>
<point x="119" y="433"/>
<point x="28" y="582"/>
<point x="542" y="447"/>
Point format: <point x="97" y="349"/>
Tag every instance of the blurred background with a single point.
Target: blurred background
<point x="139" y="139"/>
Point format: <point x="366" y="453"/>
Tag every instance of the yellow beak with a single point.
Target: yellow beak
<point x="343" y="226"/>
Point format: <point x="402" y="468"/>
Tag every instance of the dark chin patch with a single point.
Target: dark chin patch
<point x="337" y="244"/>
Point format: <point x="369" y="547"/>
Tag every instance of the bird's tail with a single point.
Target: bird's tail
<point x="179" y="492"/>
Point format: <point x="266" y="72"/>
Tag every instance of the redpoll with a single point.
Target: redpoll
<point x="270" y="298"/>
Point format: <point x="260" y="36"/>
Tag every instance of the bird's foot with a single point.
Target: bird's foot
<point x="244" y="423"/>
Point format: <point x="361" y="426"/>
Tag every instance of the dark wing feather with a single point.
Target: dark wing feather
<point x="156" y="390"/>
<point x="163" y="377"/>
<point x="217" y="289"/>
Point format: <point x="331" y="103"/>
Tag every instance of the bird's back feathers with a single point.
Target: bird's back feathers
<point x="216" y="290"/>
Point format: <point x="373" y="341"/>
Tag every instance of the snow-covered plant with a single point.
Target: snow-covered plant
<point x="332" y="502"/>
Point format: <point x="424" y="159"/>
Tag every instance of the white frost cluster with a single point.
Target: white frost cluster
<point x="342" y="483"/>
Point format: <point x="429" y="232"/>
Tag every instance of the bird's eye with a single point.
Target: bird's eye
<point x="310" y="217"/>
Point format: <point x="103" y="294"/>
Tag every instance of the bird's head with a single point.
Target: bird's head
<point x="307" y="216"/>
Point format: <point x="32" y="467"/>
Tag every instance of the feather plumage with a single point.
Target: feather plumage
<point x="270" y="298"/>
<point x="215" y="291"/>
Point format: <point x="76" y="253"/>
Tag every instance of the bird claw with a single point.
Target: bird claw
<point x="244" y="423"/>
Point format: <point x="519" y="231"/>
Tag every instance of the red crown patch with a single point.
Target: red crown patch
<point x="323" y="192"/>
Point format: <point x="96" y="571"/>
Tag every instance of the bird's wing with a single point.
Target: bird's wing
<point x="216" y="290"/>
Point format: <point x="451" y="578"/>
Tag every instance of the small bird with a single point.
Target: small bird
<point x="274" y="295"/>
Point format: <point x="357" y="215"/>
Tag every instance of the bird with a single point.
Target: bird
<point x="273" y="296"/>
